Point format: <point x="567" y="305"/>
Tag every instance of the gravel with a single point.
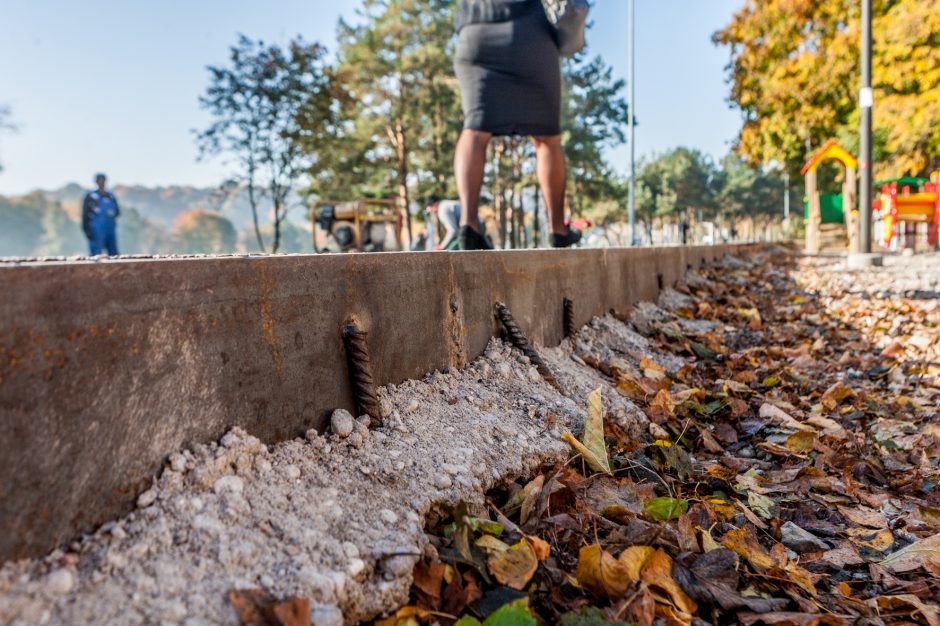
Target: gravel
<point x="337" y="517"/>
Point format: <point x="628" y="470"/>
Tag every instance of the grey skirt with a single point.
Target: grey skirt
<point x="510" y="76"/>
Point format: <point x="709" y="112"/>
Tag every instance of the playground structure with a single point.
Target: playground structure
<point x="909" y="201"/>
<point x="830" y="208"/>
<point x="359" y="225"/>
<point x="906" y="200"/>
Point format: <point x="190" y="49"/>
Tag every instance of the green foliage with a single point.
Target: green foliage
<point x="22" y="224"/>
<point x="269" y="105"/>
<point x="594" y="117"/>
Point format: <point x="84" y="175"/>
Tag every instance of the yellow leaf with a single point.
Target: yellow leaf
<point x="746" y="545"/>
<point x="657" y="573"/>
<point x="635" y="558"/>
<point x="801" y="441"/>
<point x="601" y="573"/>
<point x="516" y="566"/>
<point x="540" y="547"/>
<point x="490" y="544"/>
<point x="593" y="447"/>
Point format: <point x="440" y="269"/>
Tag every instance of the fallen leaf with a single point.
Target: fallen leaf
<point x="802" y="441"/>
<point x="762" y="505"/>
<point x="666" y="508"/>
<point x="879" y="541"/>
<point x="657" y="573"/>
<point x="836" y="394"/>
<point x="924" y="553"/>
<point x="593" y="447"/>
<point x="635" y="558"/>
<point x="514" y="614"/>
<point x="516" y="566"/>
<point x="777" y="414"/>
<point x="747" y="546"/>
<point x="930" y="612"/>
<point x="601" y="573"/>
<point x="864" y="516"/>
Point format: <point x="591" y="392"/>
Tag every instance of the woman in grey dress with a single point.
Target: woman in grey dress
<point x="509" y="72"/>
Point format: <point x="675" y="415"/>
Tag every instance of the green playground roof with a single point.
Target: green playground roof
<point x="902" y="180"/>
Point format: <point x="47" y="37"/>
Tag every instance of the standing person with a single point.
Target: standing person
<point x="509" y="70"/>
<point x="99" y="219"/>
<point x="447" y="213"/>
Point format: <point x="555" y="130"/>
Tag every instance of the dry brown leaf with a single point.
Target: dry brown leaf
<point x="880" y="540"/>
<point x="802" y="441"/>
<point x="835" y="395"/>
<point x="635" y="558"/>
<point x="601" y="573"/>
<point x="924" y="553"/>
<point x="864" y="516"/>
<point x="657" y="573"/>
<point x="747" y="546"/>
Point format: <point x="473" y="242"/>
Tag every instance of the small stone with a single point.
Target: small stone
<point x="351" y="550"/>
<point x="355" y="440"/>
<point x="266" y="581"/>
<point x="412" y="406"/>
<point x="60" y="582"/>
<point x="326" y="616"/>
<point x="177" y="462"/>
<point x="494" y="356"/>
<point x="533" y="375"/>
<point x="398" y="566"/>
<point x="228" y="484"/>
<point x="747" y="452"/>
<point x="342" y="423"/>
<point x="312" y="435"/>
<point x="442" y="481"/>
<point x="387" y="516"/>
<point x="292" y="471"/>
<point x="453" y="470"/>
<point x="504" y="369"/>
<point x="356" y="567"/>
<point x="146" y="498"/>
<point x="800" y="540"/>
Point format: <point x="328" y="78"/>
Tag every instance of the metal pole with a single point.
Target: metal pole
<point x="631" y="135"/>
<point x="865" y="101"/>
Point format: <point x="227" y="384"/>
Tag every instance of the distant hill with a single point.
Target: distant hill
<point x="161" y="205"/>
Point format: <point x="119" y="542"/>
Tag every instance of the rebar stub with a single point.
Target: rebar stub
<point x="568" y="317"/>
<point x="360" y="373"/>
<point x="521" y="342"/>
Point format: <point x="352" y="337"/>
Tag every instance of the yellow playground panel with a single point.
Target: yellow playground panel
<point x="910" y="200"/>
<point x="830" y="151"/>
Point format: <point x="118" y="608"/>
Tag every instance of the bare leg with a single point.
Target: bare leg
<point x="469" y="161"/>
<point x="551" y="171"/>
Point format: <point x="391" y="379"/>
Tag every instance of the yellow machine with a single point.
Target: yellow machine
<point x="368" y="225"/>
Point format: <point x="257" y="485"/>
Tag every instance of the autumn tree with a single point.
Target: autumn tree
<point x="794" y="74"/>
<point x="199" y="231"/>
<point x="269" y="104"/>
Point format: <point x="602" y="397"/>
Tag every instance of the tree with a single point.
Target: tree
<point x="397" y="64"/>
<point x="269" y="105"/>
<point x="794" y="74"/>
<point x="198" y="231"/>
<point x="594" y="118"/>
<point x="22" y="224"/>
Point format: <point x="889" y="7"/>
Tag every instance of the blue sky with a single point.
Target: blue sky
<point x="113" y="84"/>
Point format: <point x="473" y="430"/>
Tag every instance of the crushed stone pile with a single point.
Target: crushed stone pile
<point x="338" y="517"/>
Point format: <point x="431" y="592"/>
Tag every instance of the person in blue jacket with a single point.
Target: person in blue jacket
<point x="99" y="219"/>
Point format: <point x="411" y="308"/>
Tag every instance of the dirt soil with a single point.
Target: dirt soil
<point x="338" y="519"/>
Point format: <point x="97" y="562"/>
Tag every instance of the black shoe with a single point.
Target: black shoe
<point x="470" y="239"/>
<point x="567" y="240"/>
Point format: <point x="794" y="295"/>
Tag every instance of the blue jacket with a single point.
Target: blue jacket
<point x="98" y="208"/>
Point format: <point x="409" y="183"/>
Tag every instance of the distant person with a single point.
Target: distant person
<point x="99" y="219"/>
<point x="447" y="214"/>
<point x="508" y="67"/>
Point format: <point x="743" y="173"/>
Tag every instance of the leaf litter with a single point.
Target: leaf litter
<point x="789" y="477"/>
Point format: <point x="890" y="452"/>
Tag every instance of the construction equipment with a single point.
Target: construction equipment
<point x="367" y="225"/>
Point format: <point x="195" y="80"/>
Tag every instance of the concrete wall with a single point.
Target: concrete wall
<point x="106" y="367"/>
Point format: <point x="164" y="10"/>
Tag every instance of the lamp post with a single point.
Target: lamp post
<point x="630" y="130"/>
<point x="863" y="257"/>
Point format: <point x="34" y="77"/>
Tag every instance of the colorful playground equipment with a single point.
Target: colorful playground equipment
<point x="830" y="208"/>
<point x="918" y="202"/>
